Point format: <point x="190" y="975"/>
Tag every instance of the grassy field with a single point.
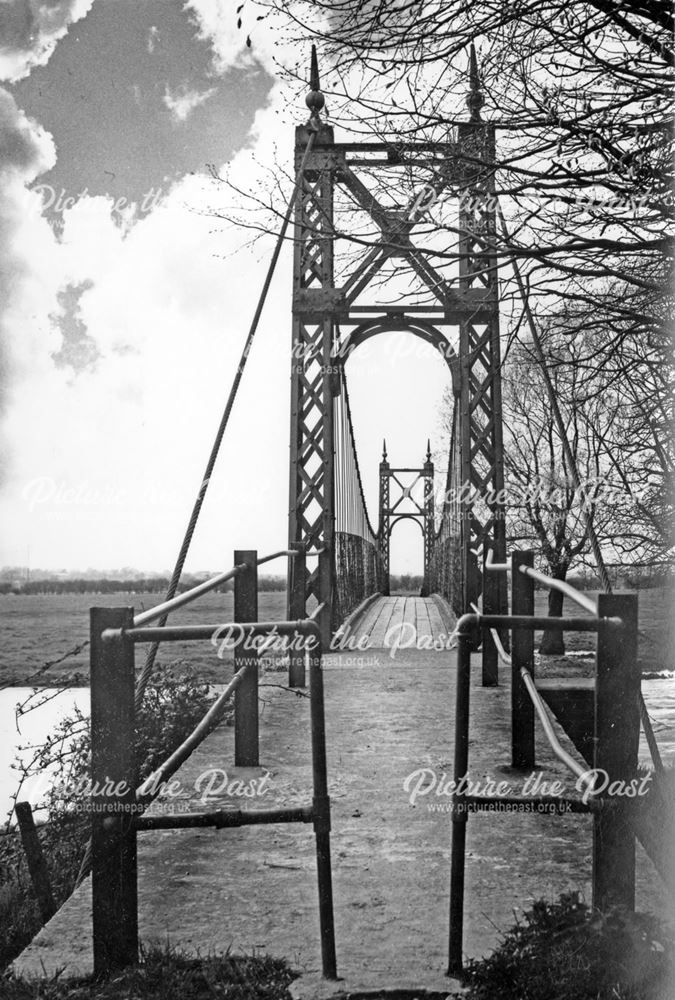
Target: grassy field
<point x="655" y="617"/>
<point x="40" y="628"/>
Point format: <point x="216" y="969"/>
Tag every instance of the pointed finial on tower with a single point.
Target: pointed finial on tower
<point x="384" y="450"/>
<point x="474" y="99"/>
<point x="315" y="99"/>
<point x="428" y="450"/>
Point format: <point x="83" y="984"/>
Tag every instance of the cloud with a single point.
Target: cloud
<point x="124" y="340"/>
<point x="120" y="343"/>
<point x="26" y="150"/>
<point x="265" y="28"/>
<point x="166" y="305"/>
<point x="182" y="102"/>
<point x="30" y="29"/>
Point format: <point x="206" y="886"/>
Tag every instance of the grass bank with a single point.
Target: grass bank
<point x="170" y="975"/>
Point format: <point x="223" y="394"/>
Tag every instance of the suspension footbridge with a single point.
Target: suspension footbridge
<point x="321" y="843"/>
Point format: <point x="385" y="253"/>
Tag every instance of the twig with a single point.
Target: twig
<point x="285" y="687"/>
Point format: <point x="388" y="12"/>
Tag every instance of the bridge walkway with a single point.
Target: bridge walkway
<point x="390" y="716"/>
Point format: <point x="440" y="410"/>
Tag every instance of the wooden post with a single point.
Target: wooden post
<point x="113" y="774"/>
<point x="246" y="752"/>
<point x="522" y="655"/>
<point x="617" y="731"/>
<point x="37" y="866"/>
<point x="490" y="659"/>
<point x="296" y="604"/>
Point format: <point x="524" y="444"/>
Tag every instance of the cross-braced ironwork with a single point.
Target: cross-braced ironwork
<point x="413" y="500"/>
<point x="388" y="281"/>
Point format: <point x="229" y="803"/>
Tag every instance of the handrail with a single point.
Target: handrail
<point x="464" y="625"/>
<point x="589" y="605"/>
<point x="203" y="588"/>
<point x="501" y="567"/>
<point x="194" y="633"/>
<point x="291" y="553"/>
<point x="187" y="596"/>
<point x="560" y="752"/>
<point x="565" y="588"/>
<point x="545" y="623"/>
<point x="115" y="902"/>
<point x="213" y="716"/>
<point x="501" y="652"/>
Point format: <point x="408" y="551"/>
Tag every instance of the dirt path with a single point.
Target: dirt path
<point x="255" y="888"/>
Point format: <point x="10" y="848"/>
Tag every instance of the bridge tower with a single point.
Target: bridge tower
<point x="413" y="500"/>
<point x="457" y="313"/>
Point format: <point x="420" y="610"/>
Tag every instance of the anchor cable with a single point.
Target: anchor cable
<point x="196" y="510"/>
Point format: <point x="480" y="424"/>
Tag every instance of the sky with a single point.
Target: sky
<point x="126" y="296"/>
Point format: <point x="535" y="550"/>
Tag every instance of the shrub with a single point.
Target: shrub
<point x="565" y="951"/>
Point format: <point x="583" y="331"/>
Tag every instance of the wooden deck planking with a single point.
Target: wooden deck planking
<point x="418" y="613"/>
<point x="382" y="625"/>
<point x="435" y="620"/>
<point x="364" y="625"/>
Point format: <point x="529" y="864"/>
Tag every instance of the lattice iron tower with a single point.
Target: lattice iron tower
<point x="331" y="320"/>
<point x="406" y="505"/>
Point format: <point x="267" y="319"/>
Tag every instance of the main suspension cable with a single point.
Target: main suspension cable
<point x="208" y="471"/>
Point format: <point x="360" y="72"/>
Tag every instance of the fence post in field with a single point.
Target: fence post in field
<point x="37" y="866"/>
<point x="113" y="775"/>
<point x="246" y="752"/>
<point x="522" y="655"/>
<point x="296" y="661"/>
<point x="617" y="731"/>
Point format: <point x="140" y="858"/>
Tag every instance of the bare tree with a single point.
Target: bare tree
<point x="544" y="504"/>
<point x="581" y="100"/>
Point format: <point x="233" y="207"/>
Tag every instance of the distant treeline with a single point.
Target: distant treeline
<point x="405" y="581"/>
<point x="625" y="578"/>
<point x="636" y="579"/>
<point x="137" y="585"/>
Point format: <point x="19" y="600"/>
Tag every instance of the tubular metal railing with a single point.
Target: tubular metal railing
<point x="560" y="752"/>
<point x="117" y="813"/>
<point x="616" y="722"/>
<point x="187" y="597"/>
<point x="587" y="603"/>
